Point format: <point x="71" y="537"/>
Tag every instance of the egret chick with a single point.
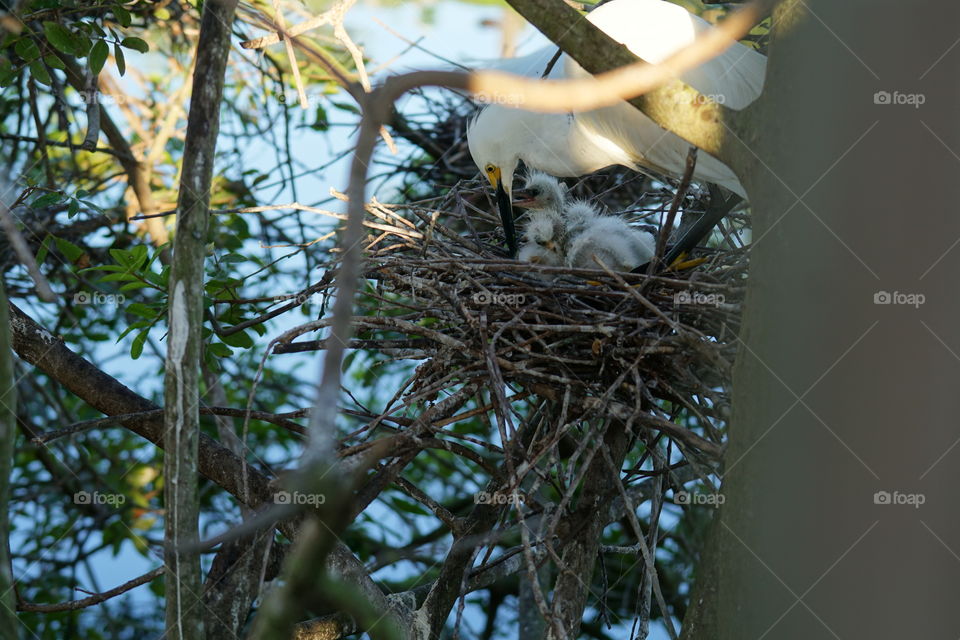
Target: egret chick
<point x="541" y="240"/>
<point x="580" y="215"/>
<point x="545" y="231"/>
<point x="610" y="238"/>
<point x="541" y="192"/>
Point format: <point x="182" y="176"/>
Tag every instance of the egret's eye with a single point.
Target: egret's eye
<point x="488" y="168"/>
<point x="536" y="191"/>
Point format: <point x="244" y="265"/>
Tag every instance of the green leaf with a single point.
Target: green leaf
<point x="45" y="200"/>
<point x="133" y="286"/>
<point x="27" y="49"/>
<point x="320" y="123"/>
<point x="142" y="310"/>
<point x="40" y="73"/>
<point x="135" y="43"/>
<point x="137" y="347"/>
<point x="159" y="280"/>
<point x="220" y="350"/>
<point x="70" y="250"/>
<point x="240" y="339"/>
<point x="104" y="267"/>
<point x="139" y="253"/>
<point x="344" y="106"/>
<point x="54" y="62"/>
<point x="123" y="16"/>
<point x="98" y="56"/>
<point x="6" y="72"/>
<point x="121" y="256"/>
<point x="118" y="56"/>
<point x="93" y="205"/>
<point x="118" y="277"/>
<point x="65" y="40"/>
<point x="44" y="249"/>
<point x="139" y="324"/>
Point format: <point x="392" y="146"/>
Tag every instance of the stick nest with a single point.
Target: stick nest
<point x="653" y="350"/>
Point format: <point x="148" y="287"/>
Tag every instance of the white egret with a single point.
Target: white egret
<point x="577" y="144"/>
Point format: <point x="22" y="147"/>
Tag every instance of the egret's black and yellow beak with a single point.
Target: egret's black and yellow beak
<point x="506" y="216"/>
<point x="505" y="207"/>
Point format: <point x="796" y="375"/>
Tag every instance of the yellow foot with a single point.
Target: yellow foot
<point x="680" y="264"/>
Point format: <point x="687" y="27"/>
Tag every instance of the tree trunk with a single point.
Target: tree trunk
<point x="838" y="397"/>
<point x="8" y="434"/>
<point x="184" y="619"/>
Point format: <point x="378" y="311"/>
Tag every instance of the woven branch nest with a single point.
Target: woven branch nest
<point x="619" y="345"/>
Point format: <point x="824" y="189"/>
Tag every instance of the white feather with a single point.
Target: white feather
<point x="543" y="238"/>
<point x="610" y="238"/>
<point x="578" y="144"/>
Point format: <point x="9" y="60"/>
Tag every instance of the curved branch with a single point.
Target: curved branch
<point x="106" y="394"/>
<point x="96" y="598"/>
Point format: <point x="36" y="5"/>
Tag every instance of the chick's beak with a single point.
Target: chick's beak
<point x="523" y="197"/>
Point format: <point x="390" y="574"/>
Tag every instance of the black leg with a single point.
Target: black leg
<point x="718" y="208"/>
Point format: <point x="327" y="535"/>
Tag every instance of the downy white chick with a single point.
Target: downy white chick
<point x="610" y="238"/>
<point x="544" y="234"/>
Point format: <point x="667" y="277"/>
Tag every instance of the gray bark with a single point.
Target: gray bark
<point x="184" y="606"/>
<point x="9" y="625"/>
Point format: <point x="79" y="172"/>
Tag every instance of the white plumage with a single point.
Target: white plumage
<point x="542" y="239"/>
<point x="572" y="233"/>
<point x="544" y="234"/>
<point x="610" y="238"/>
<point x="577" y="144"/>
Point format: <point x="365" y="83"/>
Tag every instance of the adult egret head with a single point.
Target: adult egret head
<point x="500" y="137"/>
<point x="497" y="160"/>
